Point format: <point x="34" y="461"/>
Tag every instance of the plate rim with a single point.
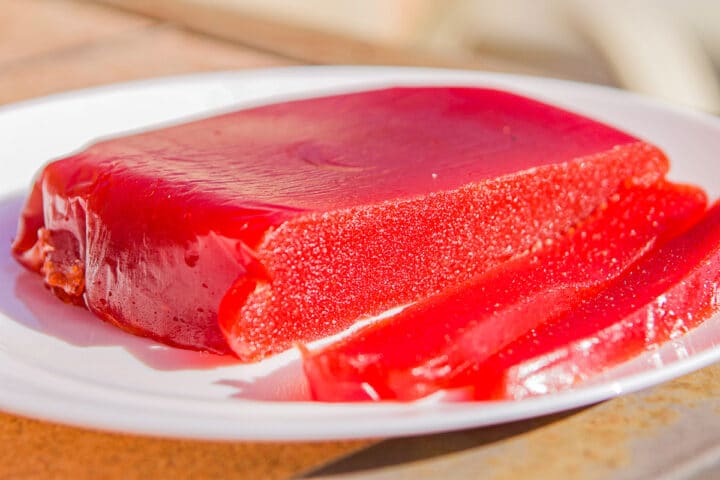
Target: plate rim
<point x="456" y="418"/>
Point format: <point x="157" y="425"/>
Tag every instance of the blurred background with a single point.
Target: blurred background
<point x="669" y="49"/>
<point x="665" y="48"/>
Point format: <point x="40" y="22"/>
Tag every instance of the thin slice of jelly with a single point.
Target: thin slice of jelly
<point x="306" y="215"/>
<point x="428" y="345"/>
<point x="670" y="291"/>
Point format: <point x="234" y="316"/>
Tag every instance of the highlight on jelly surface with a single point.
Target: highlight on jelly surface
<point x="430" y="345"/>
<point x="672" y="290"/>
<point x="303" y="217"/>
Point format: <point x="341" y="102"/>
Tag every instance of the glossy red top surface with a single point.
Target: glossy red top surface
<point x="340" y="151"/>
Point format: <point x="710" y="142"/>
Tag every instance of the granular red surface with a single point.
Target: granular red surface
<point x="670" y="291"/>
<point x="429" y="345"/>
<point x="318" y="211"/>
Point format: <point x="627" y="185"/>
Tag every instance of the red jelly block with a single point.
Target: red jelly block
<point x="426" y="346"/>
<point x="315" y="212"/>
<point x="670" y="291"/>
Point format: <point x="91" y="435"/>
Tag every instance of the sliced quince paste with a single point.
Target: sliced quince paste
<point x="304" y="216"/>
<point x="440" y="342"/>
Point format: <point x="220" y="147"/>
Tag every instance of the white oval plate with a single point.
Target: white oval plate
<point x="59" y="363"/>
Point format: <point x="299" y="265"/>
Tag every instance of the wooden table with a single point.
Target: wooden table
<point x="671" y="431"/>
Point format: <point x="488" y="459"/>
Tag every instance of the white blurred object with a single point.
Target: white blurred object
<point x="665" y="48"/>
<point x="653" y="50"/>
<point x="703" y="16"/>
<point x="531" y="32"/>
